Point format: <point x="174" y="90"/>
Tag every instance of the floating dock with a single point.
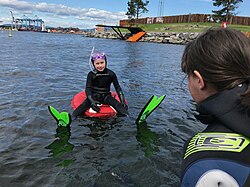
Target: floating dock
<point x="136" y="37"/>
<point x="136" y="33"/>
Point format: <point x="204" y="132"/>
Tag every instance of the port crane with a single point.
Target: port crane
<point x="27" y="24"/>
<point x="13" y="21"/>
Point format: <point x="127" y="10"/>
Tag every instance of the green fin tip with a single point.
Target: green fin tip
<point x="63" y="119"/>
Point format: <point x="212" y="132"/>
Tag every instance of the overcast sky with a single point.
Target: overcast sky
<point x="88" y="13"/>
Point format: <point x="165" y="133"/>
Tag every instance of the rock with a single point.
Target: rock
<point x="156" y="37"/>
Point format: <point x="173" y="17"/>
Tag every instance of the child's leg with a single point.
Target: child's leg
<point x="116" y="105"/>
<point x="82" y="108"/>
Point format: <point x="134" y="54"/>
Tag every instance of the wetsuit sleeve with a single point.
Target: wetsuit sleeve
<point x="119" y="91"/>
<point x="116" y="83"/>
<point x="88" y="88"/>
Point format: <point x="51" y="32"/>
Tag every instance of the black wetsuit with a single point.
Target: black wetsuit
<point x="224" y="144"/>
<point x="98" y="87"/>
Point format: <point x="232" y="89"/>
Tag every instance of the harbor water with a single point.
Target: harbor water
<point x="41" y="69"/>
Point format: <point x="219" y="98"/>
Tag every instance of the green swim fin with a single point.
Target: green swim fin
<point x="150" y="106"/>
<point x="62" y="118"/>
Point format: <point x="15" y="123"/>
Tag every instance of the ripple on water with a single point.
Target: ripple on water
<point x="115" y="152"/>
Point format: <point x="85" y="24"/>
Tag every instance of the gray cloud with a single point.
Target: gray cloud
<point x="91" y="14"/>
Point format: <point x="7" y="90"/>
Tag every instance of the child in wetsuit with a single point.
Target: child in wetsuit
<point x="98" y="85"/>
<point x="217" y="65"/>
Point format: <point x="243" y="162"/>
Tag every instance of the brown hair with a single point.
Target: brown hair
<point x="222" y="57"/>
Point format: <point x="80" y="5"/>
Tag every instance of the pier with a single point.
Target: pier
<point x="136" y="33"/>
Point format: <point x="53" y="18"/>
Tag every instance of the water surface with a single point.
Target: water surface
<point x="41" y="69"/>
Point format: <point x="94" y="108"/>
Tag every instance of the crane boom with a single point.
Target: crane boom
<point x="13" y="19"/>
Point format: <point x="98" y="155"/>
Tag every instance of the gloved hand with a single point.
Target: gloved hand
<point x="122" y="99"/>
<point x="94" y="104"/>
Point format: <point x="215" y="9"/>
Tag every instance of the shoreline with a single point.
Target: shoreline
<point x="154" y="37"/>
<point x="180" y="38"/>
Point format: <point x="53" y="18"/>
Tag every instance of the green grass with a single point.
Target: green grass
<point x="187" y="27"/>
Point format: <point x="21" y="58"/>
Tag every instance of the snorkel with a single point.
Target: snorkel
<point x="94" y="56"/>
<point x="91" y="65"/>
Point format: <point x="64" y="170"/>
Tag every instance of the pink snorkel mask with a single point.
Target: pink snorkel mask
<point x="96" y="56"/>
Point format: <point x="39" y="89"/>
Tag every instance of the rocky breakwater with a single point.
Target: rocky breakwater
<point x="159" y="37"/>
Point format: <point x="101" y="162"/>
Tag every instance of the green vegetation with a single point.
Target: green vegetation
<point x="187" y="27"/>
<point x="136" y="8"/>
<point x="227" y="9"/>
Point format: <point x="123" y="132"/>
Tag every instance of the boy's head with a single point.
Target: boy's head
<point x="99" y="61"/>
<point x="220" y="55"/>
<point x="217" y="60"/>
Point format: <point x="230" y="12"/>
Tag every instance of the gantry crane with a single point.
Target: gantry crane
<point x="13" y="20"/>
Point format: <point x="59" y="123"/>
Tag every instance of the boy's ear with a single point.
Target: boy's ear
<point x="201" y="82"/>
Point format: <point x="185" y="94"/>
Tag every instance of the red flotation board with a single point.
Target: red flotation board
<point x="105" y="110"/>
